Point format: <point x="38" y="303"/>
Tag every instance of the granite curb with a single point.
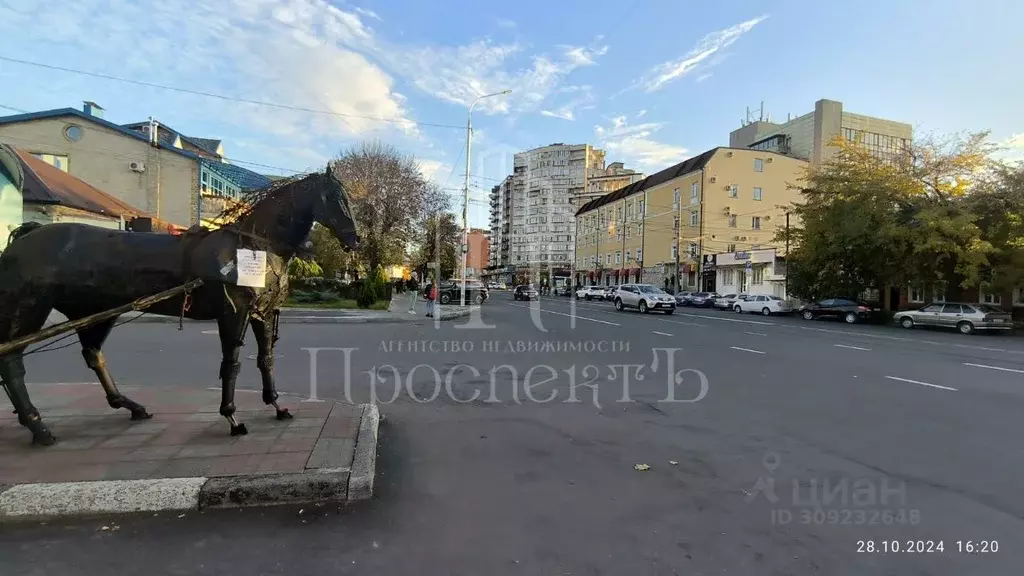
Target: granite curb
<point x="37" y="501"/>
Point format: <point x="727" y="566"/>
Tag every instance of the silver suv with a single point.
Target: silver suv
<point x="644" y="297"/>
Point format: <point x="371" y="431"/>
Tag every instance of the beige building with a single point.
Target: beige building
<point x="146" y="165"/>
<point x="606" y="180"/>
<point x="725" y="200"/>
<point x="808" y="137"/>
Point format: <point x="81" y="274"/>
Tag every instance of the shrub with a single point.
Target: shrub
<point x="367" y="296"/>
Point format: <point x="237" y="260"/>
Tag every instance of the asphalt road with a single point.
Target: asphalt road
<point x="792" y="448"/>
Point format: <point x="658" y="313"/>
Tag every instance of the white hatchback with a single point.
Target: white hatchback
<point x="763" y="304"/>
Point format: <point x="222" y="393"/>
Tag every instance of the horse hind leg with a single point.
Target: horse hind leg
<point x="12" y="371"/>
<point x="92" y="338"/>
<point x="24" y="320"/>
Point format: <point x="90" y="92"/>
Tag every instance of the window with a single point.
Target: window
<point x="694" y="193"/>
<point x="640" y="211"/>
<point x="607" y="258"/>
<point x="628" y="257"/>
<point x="675" y="197"/>
<point x="628" y="230"/>
<point x="757" y="193"/>
<point x="673" y="250"/>
<point x="915" y="295"/>
<point x="639" y="229"/>
<point x="755" y="222"/>
<point x="758" y="165"/>
<point x="639" y="255"/>
<point x="730" y="247"/>
<point x="694" y="217"/>
<point x="996" y="299"/>
<point x="727" y="277"/>
<point x="675" y="223"/>
<point x="57" y="161"/>
<point x="732" y="220"/>
<point x="936" y="308"/>
<point x="618" y="257"/>
<point x="758" y="275"/>
<point x="693" y="248"/>
<point x="734" y="191"/>
<point x="73" y="133"/>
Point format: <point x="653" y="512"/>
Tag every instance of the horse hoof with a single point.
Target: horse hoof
<point x="284" y="414"/>
<point x="43" y="439"/>
<point x="141" y="415"/>
<point x="239" y="430"/>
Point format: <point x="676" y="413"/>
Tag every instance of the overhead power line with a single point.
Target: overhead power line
<point x="223" y="97"/>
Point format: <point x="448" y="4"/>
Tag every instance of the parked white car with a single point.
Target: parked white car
<point x="762" y="304"/>
<point x="591" y="292"/>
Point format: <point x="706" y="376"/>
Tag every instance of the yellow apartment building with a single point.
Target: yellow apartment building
<point x="669" y="228"/>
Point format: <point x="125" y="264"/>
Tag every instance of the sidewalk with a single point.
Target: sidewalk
<point x="183" y="458"/>
<point x="398" y="312"/>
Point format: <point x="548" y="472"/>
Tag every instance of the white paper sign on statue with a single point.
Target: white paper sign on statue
<point x="252" y="268"/>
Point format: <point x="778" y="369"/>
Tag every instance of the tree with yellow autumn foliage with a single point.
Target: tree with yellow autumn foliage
<point x="926" y="216"/>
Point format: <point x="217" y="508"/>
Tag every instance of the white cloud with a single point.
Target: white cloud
<point x="369" y="13"/>
<point x="708" y="46"/>
<point x="1011" y="149"/>
<point x="635" y="145"/>
<point x="435" y="170"/>
<point x="641" y="114"/>
<point x="298" y="52"/>
<point x="505" y="23"/>
<point x="704" y="77"/>
<point x="460" y="74"/>
<point x="567" y="111"/>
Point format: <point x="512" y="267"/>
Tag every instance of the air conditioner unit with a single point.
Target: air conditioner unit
<point x="728" y="154"/>
<point x="726" y="210"/>
<point x="743" y="238"/>
<point x="735" y="238"/>
<point x="136" y="166"/>
<point x="714" y="179"/>
<point x="767" y="218"/>
<point x="769" y="160"/>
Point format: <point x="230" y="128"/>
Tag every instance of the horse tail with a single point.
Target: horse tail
<point x="22" y="230"/>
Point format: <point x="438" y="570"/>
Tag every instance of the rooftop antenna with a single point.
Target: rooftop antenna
<point x="750" y="117"/>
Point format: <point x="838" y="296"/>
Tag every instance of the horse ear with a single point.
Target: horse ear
<point x="328" y="172"/>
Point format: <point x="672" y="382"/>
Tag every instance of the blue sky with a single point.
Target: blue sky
<point x="651" y="81"/>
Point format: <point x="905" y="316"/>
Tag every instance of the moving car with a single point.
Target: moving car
<point x="526" y="292"/>
<point x="762" y="304"/>
<point x="563" y="290"/>
<point x="964" y="317"/>
<point x="644" y="297"/>
<point x="590" y="292"/>
<point x="451" y="291"/>
<point x="849" y="310"/>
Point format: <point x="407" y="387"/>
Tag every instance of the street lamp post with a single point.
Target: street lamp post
<point x="465" y="194"/>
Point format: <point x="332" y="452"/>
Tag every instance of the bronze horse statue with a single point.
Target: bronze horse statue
<point x="79" y="270"/>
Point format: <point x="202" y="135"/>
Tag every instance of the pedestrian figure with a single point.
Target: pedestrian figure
<point x="429" y="293"/>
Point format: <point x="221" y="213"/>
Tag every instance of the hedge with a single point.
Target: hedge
<point x="325" y="287"/>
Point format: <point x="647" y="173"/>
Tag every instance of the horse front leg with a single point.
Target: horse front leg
<point x="265" y="333"/>
<point x="231" y="327"/>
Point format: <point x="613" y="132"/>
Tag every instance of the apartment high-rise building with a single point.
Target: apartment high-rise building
<point x="533" y="212"/>
<point x="808" y="137"/>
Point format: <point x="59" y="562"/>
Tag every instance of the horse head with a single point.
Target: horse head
<point x="332" y="210"/>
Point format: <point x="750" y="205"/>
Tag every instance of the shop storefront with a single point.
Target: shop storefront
<point x="709" y="273"/>
<point x="750" y="272"/>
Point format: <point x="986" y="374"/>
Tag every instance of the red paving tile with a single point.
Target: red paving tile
<point x="186" y="437"/>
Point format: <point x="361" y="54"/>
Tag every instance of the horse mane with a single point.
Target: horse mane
<point x="22" y="230"/>
<point x="240" y="209"/>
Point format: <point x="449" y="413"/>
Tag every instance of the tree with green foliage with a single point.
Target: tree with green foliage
<point x="299" y="268"/>
<point x="440" y="242"/>
<point x="864" y="222"/>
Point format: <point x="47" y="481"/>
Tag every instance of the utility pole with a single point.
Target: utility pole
<point x="622" y="250"/>
<point x="465" y="194"/>
<point x="787" y="256"/>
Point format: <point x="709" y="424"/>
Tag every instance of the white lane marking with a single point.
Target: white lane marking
<point x="746" y="350"/>
<point x="856" y="334"/>
<point x="609" y="309"/>
<point x="1001" y="369"/>
<point x="569" y="315"/>
<point x="214" y="331"/>
<point x="852" y="347"/>
<point x="756" y="322"/>
<point x="756" y="333"/>
<point x="920" y="383"/>
<point x="661" y="333"/>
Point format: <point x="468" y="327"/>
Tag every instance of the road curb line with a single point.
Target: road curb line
<point x="364" y="461"/>
<point x="39" y="501"/>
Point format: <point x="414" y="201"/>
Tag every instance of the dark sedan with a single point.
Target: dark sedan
<point x="451" y="291"/>
<point x="525" y="292"/>
<point x="701" y="299"/>
<point x="849" y="310"/>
